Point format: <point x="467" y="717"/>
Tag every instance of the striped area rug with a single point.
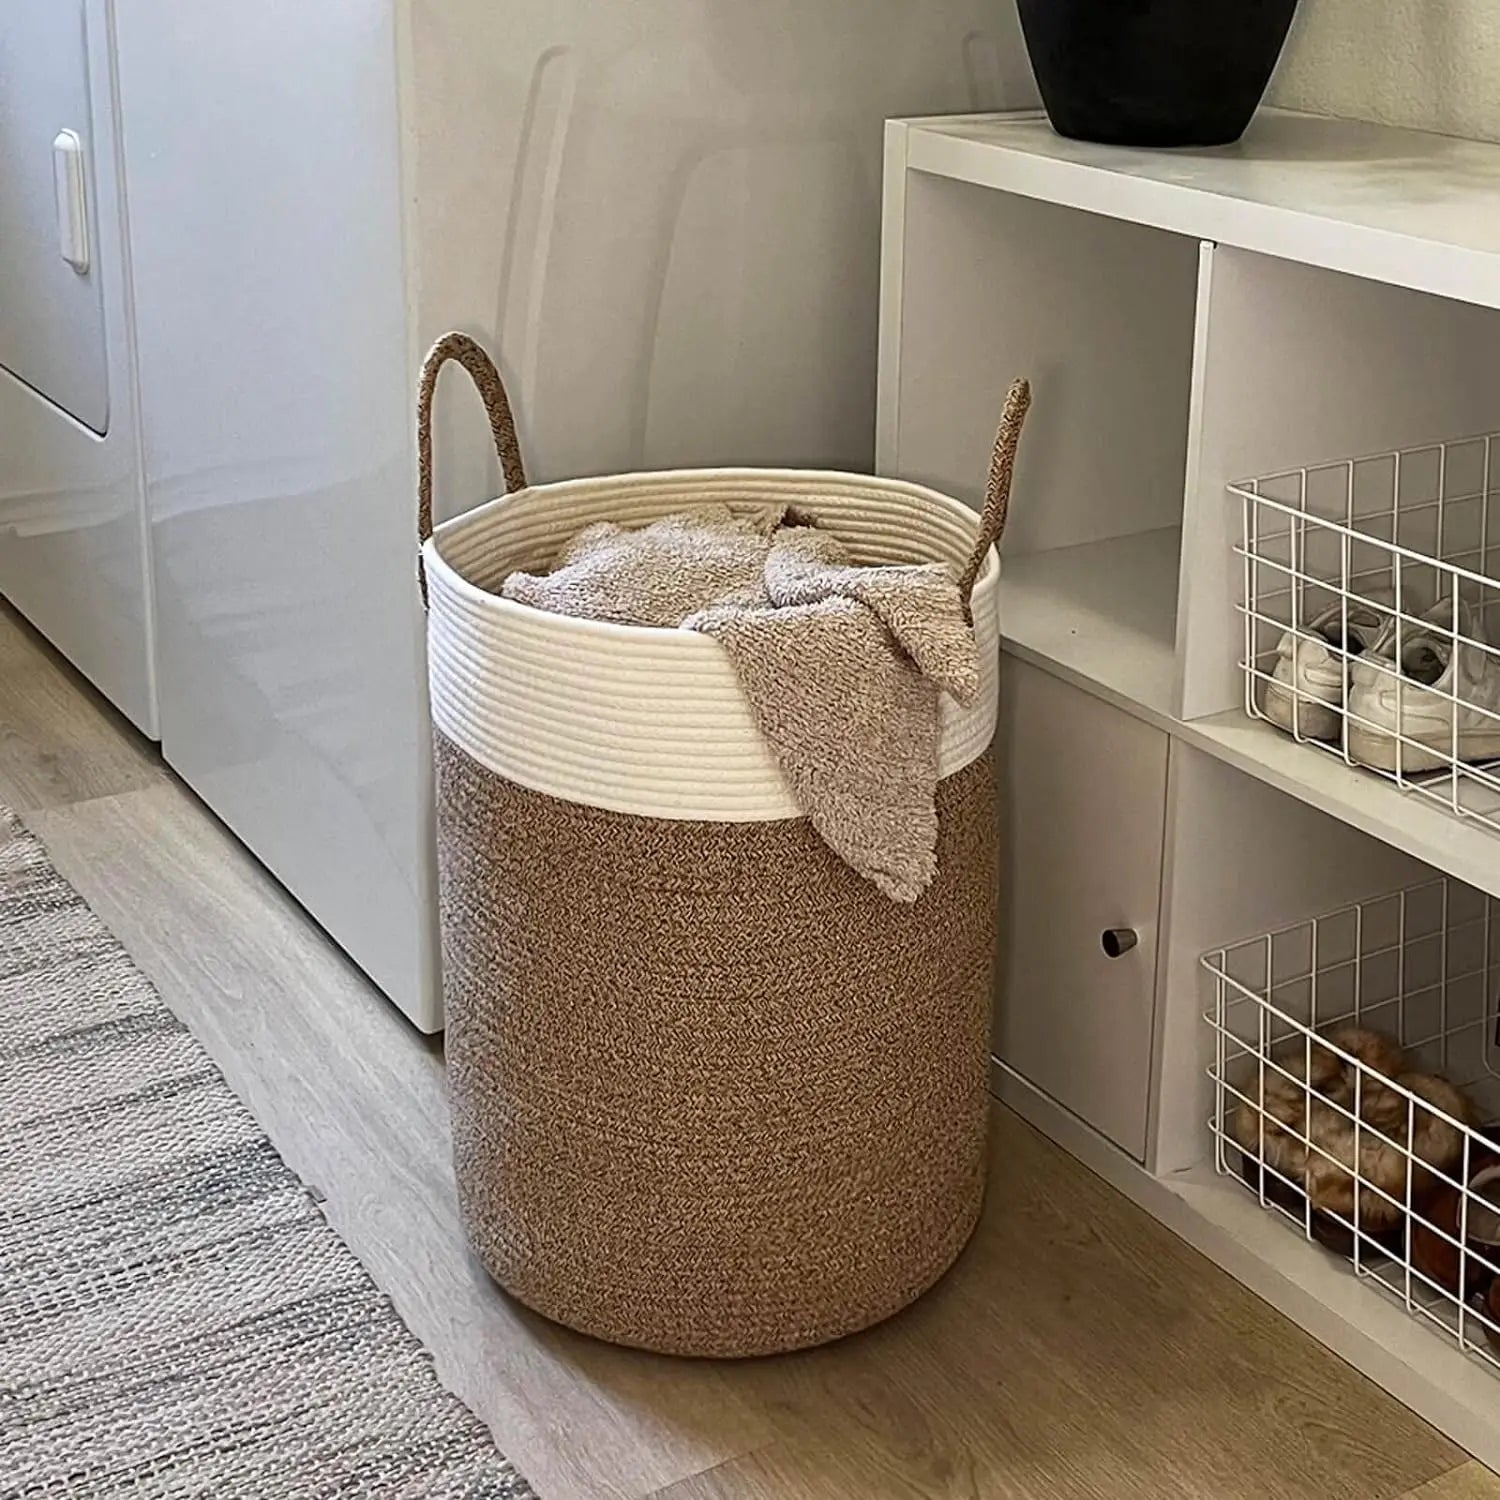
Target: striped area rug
<point x="176" y="1317"/>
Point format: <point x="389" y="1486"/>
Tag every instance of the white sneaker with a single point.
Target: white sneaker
<point x="1305" y="695"/>
<point x="1413" y="698"/>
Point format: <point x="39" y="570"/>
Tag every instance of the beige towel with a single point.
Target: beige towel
<point x="842" y="665"/>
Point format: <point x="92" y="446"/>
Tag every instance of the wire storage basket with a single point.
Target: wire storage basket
<point x="1355" y="1094"/>
<point x="1370" y="623"/>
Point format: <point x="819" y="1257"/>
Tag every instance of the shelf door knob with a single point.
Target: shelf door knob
<point x="1118" y="941"/>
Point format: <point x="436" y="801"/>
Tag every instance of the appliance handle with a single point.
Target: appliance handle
<point x="70" y="188"/>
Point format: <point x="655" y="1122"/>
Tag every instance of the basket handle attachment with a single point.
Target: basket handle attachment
<point x="997" y="490"/>
<point x="481" y="370"/>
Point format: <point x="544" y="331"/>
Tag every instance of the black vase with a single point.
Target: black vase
<point x="1154" y="72"/>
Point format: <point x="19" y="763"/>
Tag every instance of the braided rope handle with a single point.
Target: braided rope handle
<point x="460" y="348"/>
<point x="997" y="491"/>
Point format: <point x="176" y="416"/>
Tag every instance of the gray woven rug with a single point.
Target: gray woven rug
<point x="176" y="1317"/>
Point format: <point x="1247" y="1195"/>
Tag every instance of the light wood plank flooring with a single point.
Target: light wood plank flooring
<point x="1078" y="1350"/>
<point x="1470" y="1481"/>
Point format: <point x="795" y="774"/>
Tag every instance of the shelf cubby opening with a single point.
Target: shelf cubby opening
<point x="1099" y="313"/>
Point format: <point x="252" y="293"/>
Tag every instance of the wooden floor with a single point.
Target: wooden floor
<point x="1077" y="1350"/>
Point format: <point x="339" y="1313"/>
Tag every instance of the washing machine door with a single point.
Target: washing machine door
<point x="51" y="303"/>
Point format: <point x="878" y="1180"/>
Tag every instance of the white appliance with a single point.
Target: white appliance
<point x="662" y="214"/>
<point x="72" y="523"/>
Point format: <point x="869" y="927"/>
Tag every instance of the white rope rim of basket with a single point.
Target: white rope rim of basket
<point x="639" y="719"/>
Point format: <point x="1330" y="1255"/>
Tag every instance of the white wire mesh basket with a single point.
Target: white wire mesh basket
<point x="1370" y="622"/>
<point x="1329" y="1038"/>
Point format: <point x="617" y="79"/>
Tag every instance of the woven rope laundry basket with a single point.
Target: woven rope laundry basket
<point x="712" y="1092"/>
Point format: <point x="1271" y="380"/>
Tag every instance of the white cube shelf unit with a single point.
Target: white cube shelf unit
<point x="1324" y="289"/>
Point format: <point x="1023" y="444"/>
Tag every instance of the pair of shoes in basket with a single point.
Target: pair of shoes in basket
<point x="1437" y="704"/>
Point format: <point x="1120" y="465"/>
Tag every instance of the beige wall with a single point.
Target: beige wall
<point x="1433" y="64"/>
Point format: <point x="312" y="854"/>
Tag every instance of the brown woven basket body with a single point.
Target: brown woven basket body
<point x="713" y="1093"/>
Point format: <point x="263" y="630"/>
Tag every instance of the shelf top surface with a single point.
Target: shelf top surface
<point x="1401" y="206"/>
<point x="1103" y="615"/>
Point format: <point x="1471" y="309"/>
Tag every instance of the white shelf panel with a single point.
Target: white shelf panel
<point x="1457" y="846"/>
<point x="1103" y="615"/>
<point x="1076" y="614"/>
<point x="1399" y="206"/>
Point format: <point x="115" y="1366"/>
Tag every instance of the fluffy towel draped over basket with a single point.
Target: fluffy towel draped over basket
<point x="842" y="665"/>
